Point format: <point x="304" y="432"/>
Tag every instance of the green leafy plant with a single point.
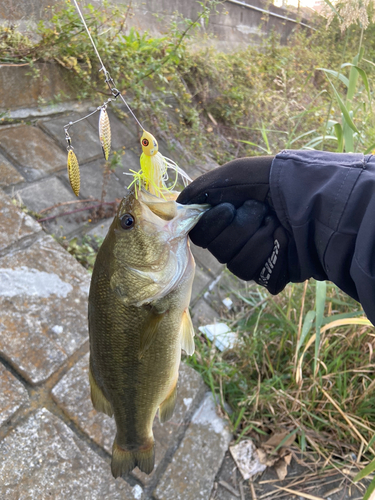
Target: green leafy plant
<point x="346" y="134"/>
<point x="83" y="249"/>
<point x="365" y="472"/>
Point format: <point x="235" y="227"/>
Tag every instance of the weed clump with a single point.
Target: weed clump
<point x="257" y="100"/>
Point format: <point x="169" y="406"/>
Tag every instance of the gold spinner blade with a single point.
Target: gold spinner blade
<point x="105" y="132"/>
<point x="73" y="172"/>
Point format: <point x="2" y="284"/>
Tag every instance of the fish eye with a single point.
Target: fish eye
<point x="145" y="142"/>
<point x="127" y="221"/>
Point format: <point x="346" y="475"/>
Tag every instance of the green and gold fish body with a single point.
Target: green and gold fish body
<point x="139" y="321"/>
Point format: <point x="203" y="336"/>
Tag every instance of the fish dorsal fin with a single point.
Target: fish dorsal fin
<point x="149" y="333"/>
<point x="187" y="333"/>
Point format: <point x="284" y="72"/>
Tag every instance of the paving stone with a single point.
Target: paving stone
<point x="206" y="259"/>
<point x="47" y="193"/>
<point x="33" y="151"/>
<point x="207" y="165"/>
<point x="8" y="174"/>
<point x="72" y="393"/>
<point x="43" y="458"/>
<point x="44" y="194"/>
<point x="14" y="224"/>
<point x="101" y="230"/>
<point x="129" y="161"/>
<point x="43" y="299"/>
<point x="121" y="134"/>
<point x="13" y="395"/>
<point x="126" y="117"/>
<point x="92" y="182"/>
<point x="195" y="464"/>
<point x="191" y="170"/>
<point x="203" y="314"/>
<point x="85" y="138"/>
<point x="201" y="281"/>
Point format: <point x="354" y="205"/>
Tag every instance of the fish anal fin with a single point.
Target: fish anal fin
<point x="149" y="333"/>
<point x="124" y="461"/>
<point x="187" y="333"/>
<point x="166" y="409"/>
<point x="99" y="401"/>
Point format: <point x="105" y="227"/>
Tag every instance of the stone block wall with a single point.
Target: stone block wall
<point x="232" y="25"/>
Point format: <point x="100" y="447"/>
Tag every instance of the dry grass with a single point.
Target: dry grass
<point x="272" y="386"/>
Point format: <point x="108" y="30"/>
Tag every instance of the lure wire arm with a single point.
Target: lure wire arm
<point x="102" y="106"/>
<point x="108" y="79"/>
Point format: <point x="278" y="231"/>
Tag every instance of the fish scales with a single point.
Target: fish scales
<point x="138" y="321"/>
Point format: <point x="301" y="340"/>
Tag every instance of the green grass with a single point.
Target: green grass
<point x="272" y="387"/>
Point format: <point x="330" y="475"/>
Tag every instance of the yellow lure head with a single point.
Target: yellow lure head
<point x="149" y="144"/>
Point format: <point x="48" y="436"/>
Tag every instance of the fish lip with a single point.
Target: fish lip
<point x="187" y="217"/>
<point x="176" y="221"/>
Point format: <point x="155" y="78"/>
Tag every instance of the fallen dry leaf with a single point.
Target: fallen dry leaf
<point x="281" y="469"/>
<point x="265" y="458"/>
<point x="275" y="440"/>
<point x="288" y="458"/>
<point x="250" y="460"/>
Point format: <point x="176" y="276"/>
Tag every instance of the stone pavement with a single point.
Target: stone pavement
<point x="53" y="444"/>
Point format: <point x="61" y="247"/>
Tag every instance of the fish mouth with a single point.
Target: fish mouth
<point x="164" y="208"/>
<point x="187" y="217"/>
<point x="180" y="219"/>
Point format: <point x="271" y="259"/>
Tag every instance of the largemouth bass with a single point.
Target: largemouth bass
<point x="139" y="320"/>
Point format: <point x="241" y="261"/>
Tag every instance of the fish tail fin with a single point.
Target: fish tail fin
<point x="124" y="461"/>
<point x="166" y="409"/>
<point x="99" y="401"/>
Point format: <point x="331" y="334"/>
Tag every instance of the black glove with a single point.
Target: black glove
<point x="241" y="228"/>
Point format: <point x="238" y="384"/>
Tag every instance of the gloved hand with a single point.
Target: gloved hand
<point x="241" y="229"/>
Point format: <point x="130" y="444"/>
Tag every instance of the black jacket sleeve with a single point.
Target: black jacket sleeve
<point x="326" y="202"/>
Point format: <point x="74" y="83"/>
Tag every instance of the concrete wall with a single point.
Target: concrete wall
<point x="232" y="26"/>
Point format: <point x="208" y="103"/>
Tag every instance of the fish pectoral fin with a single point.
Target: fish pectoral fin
<point x="187" y="333"/>
<point x="149" y="333"/>
<point x="99" y="401"/>
<point x="166" y="409"/>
